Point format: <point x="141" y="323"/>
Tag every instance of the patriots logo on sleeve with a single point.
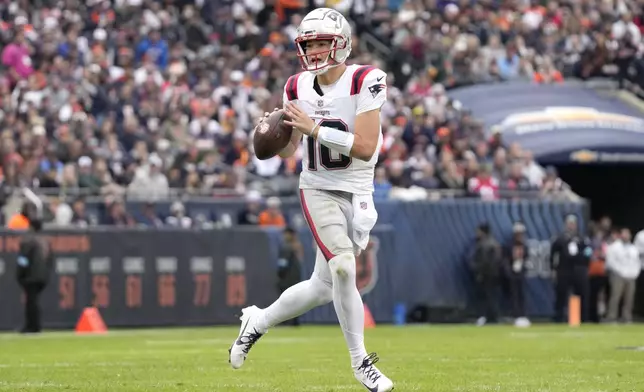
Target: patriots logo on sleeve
<point x="376" y="89"/>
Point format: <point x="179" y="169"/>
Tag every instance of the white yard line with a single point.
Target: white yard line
<point x="66" y="364"/>
<point x="28" y="384"/>
<point x="184" y="342"/>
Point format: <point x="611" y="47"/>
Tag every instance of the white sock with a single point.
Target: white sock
<point x="295" y="301"/>
<point x="348" y="306"/>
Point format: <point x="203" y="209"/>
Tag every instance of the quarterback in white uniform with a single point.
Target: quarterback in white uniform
<point x="335" y="109"/>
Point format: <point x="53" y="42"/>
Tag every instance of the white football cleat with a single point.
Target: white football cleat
<point x="248" y="336"/>
<point x="371" y="377"/>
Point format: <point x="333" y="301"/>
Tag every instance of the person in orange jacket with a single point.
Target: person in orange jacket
<point x="272" y="216"/>
<point x="20" y="221"/>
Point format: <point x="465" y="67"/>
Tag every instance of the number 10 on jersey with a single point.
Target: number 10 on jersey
<point x="326" y="160"/>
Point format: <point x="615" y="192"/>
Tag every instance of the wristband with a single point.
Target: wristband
<point x="336" y="140"/>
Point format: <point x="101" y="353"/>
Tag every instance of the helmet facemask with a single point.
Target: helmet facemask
<point x="318" y="67"/>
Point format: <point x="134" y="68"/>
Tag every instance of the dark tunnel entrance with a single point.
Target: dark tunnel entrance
<point x="616" y="191"/>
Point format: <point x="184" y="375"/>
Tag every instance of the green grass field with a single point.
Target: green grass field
<point x="423" y="358"/>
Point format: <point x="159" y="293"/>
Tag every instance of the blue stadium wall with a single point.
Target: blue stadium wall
<point x="205" y="277"/>
<point x="424" y="249"/>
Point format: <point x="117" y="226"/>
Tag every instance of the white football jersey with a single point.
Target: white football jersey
<point x="359" y="89"/>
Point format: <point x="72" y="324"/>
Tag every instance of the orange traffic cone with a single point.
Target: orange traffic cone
<point x="574" y="311"/>
<point x="368" y="318"/>
<point x="90" y="322"/>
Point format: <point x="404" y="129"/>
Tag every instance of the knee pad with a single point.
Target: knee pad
<point x="343" y="266"/>
<point x="323" y="291"/>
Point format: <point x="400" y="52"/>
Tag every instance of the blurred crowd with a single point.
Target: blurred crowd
<point x="136" y="98"/>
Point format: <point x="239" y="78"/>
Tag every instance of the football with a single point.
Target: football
<point x="272" y="135"/>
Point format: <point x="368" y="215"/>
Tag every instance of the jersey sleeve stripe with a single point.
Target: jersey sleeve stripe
<point x="358" y="78"/>
<point x="291" y="87"/>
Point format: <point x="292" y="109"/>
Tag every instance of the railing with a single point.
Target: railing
<point x="367" y="39"/>
<point x="202" y="196"/>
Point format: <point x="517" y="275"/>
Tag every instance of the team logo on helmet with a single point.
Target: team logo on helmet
<point x="336" y="17"/>
<point x="367" y="267"/>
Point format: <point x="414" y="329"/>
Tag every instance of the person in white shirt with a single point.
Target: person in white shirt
<point x="639" y="244"/>
<point x="624" y="266"/>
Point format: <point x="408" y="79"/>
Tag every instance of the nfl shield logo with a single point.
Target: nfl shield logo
<point x="367" y="267"/>
<point x="263" y="128"/>
<point x="363" y="205"/>
<point x="320" y="103"/>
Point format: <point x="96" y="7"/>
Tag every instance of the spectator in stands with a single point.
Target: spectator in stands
<point x="51" y="164"/>
<point x="399" y="174"/>
<point x="516" y="181"/>
<point x="62" y="213"/>
<point x="17" y="56"/>
<point x="250" y="214"/>
<point x="155" y="48"/>
<point x="272" y="215"/>
<point x="148" y="217"/>
<point x="20" y="221"/>
<point x="425" y="177"/>
<point x="552" y="185"/>
<point x="509" y="65"/>
<point x="177" y="217"/>
<point x="484" y="185"/>
<point x="532" y="171"/>
<point x="382" y="186"/>
<point x="500" y="164"/>
<point x="624" y="266"/>
<point x="80" y="218"/>
<point x="452" y="177"/>
<point x="117" y="215"/>
<point x="149" y="181"/>
<point x="86" y="175"/>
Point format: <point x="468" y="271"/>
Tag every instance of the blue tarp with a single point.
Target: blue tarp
<point x="558" y="123"/>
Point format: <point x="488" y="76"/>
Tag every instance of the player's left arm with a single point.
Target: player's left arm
<point x="371" y="97"/>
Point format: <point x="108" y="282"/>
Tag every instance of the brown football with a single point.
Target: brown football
<point x="272" y="135"/>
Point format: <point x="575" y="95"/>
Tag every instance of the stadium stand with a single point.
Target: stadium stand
<point x="149" y="100"/>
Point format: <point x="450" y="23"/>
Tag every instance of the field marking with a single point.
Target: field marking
<point x="179" y="342"/>
<point x="572" y="333"/>
<point x="152" y="333"/>
<point x="27" y="384"/>
<point x="111" y="333"/>
<point x="259" y="386"/>
<point x="65" y="364"/>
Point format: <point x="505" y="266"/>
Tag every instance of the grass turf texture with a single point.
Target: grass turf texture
<point x="423" y="358"/>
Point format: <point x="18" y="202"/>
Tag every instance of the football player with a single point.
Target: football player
<point x="335" y="109"/>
